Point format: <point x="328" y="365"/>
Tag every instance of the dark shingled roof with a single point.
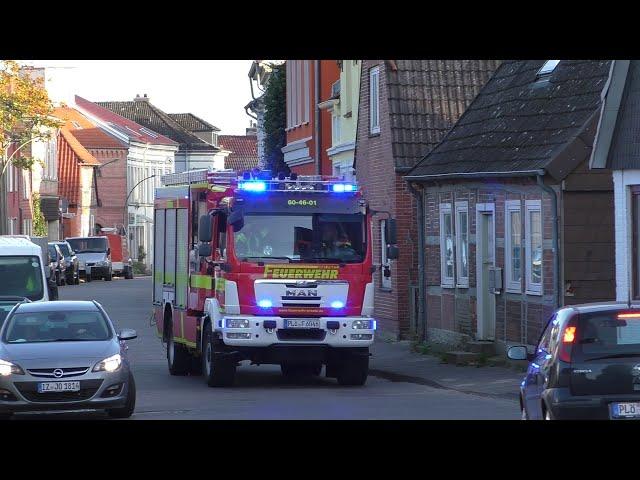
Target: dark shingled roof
<point x="519" y="124"/>
<point x="426" y="97"/>
<point x="148" y="115"/>
<point x="625" y="143"/>
<point x="193" y="123"/>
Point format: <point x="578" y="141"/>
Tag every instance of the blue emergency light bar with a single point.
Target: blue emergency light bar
<point x="289" y="186"/>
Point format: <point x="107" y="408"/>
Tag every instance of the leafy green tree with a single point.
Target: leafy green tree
<point x="40" y="228"/>
<point x="275" y="120"/>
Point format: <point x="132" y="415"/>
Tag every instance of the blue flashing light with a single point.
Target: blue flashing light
<point x="343" y="187"/>
<point x="253" y="186"/>
<point x="337" y="304"/>
<point x="374" y="324"/>
<point x="265" y="303"/>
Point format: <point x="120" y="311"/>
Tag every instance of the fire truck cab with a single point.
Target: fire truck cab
<point x="269" y="270"/>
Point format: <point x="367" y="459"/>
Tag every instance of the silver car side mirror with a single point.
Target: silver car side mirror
<point x="127" y="334"/>
<point x="517" y="353"/>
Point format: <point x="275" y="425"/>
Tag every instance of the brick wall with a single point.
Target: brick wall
<point x="112" y="186"/>
<point x="519" y="317"/>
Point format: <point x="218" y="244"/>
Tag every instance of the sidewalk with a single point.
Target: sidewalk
<point x="396" y="362"/>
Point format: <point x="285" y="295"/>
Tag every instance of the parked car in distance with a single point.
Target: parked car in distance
<point x="64" y="355"/>
<point x="94" y="256"/>
<point x="586" y="365"/>
<point x="60" y="267"/>
<point x="71" y="262"/>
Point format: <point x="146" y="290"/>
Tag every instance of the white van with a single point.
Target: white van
<point x="22" y="274"/>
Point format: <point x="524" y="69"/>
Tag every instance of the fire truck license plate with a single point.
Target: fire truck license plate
<point x="302" y="323"/>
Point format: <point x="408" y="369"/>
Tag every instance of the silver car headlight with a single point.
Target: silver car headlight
<point x="8" y="368"/>
<point x="110" y="364"/>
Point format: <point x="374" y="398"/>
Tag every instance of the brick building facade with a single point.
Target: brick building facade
<point x="509" y="188"/>
<point x="405" y="108"/>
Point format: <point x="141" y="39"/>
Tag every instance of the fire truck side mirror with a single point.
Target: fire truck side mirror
<point x="204" y="228"/>
<point x="392" y="252"/>
<point x="390" y="231"/>
<point x="236" y="219"/>
<point x="204" y="250"/>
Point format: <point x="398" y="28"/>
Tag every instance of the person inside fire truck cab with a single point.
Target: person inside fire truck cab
<point x="249" y="241"/>
<point x="335" y="242"/>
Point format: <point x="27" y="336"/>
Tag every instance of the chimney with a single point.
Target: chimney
<point x="252" y="130"/>
<point x="141" y="99"/>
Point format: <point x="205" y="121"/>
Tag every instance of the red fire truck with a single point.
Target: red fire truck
<point x="271" y="270"/>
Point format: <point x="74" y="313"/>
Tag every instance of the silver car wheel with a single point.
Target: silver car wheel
<point x="171" y="349"/>
<point x="207" y="358"/>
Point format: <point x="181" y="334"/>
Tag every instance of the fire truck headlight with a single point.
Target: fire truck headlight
<point x="337" y="304"/>
<point x="362" y="324"/>
<point x="265" y="303"/>
<point x="237" y="323"/>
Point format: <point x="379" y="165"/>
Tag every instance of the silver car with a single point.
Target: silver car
<point x="64" y="355"/>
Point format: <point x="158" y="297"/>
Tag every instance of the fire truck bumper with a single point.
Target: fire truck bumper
<point x="250" y="331"/>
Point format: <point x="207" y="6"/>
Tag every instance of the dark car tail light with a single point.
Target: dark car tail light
<point x="569" y="335"/>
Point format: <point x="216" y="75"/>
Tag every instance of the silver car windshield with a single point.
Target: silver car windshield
<point x="21" y="276"/>
<point x="73" y="326"/>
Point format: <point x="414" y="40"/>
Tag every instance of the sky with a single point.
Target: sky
<point x="214" y="90"/>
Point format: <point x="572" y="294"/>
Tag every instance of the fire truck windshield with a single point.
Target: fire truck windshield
<point x="318" y="238"/>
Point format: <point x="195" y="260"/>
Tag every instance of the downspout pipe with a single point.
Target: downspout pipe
<point x="422" y="289"/>
<point x="556" y="250"/>
<point x="317" y="116"/>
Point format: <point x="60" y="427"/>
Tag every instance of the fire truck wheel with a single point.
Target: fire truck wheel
<point x="354" y="370"/>
<point x="178" y="357"/>
<point x="298" y="370"/>
<point x="217" y="372"/>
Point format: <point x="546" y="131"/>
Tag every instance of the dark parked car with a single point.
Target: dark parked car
<point x="71" y="263"/>
<point x="58" y="260"/>
<point x="586" y="365"/>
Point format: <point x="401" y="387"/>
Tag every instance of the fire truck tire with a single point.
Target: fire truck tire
<point x="217" y="372"/>
<point x="354" y="371"/>
<point x="178" y="357"/>
<point x="298" y="370"/>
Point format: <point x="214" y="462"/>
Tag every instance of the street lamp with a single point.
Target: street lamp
<point x="126" y="205"/>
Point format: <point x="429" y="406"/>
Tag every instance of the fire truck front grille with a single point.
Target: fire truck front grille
<point x="301" y="334"/>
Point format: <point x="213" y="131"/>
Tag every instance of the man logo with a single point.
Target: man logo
<point x="302" y="293"/>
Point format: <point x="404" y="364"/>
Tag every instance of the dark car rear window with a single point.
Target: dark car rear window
<point x="604" y="333"/>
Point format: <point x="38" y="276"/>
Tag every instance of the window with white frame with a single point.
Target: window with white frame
<point x="335" y="124"/>
<point x="447" y="265"/>
<point x="533" y="247"/>
<point x="298" y="92"/>
<point x="26" y="182"/>
<point x="462" y="244"/>
<point x="11" y="175"/>
<point x="374" y="100"/>
<point x="384" y="261"/>
<point x="513" y="247"/>
<point x="27" y="225"/>
<point x="13" y="226"/>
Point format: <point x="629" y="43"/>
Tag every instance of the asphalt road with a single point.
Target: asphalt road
<point x="260" y="392"/>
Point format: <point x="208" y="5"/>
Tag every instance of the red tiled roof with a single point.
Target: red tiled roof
<point x="81" y="152"/>
<point x="125" y="125"/>
<point x="244" y="151"/>
<point x="85" y="131"/>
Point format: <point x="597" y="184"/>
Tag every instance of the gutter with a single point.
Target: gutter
<point x="556" y="249"/>
<point x="422" y="288"/>
<point x="447" y="176"/>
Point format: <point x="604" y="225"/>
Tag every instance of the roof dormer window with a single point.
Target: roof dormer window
<point x="548" y="68"/>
